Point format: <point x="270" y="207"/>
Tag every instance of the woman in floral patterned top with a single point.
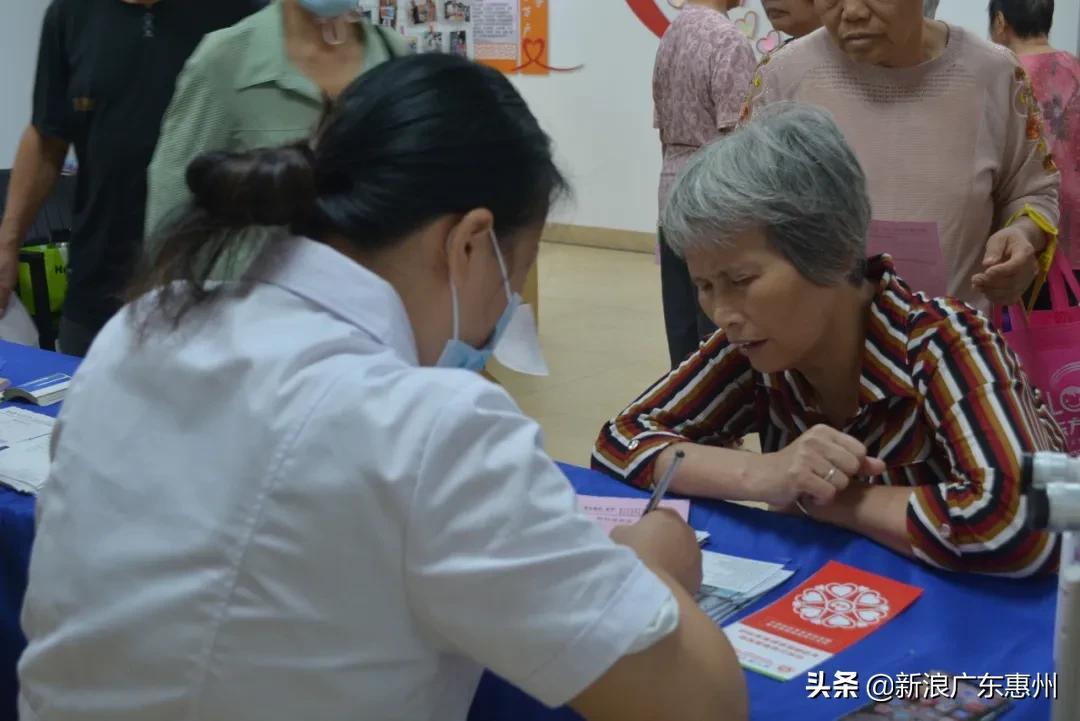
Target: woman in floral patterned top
<point x="703" y="68"/>
<point x="1023" y="27"/>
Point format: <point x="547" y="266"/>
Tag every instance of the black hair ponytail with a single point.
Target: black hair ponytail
<point x="414" y="139"/>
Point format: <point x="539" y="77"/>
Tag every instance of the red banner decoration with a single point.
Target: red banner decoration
<point x="650" y="14"/>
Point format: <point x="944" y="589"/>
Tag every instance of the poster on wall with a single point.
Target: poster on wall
<point x="534" y="38"/>
<point x="749" y="17"/>
<point x="512" y="36"/>
<point x="496" y="33"/>
<point x="509" y="35"/>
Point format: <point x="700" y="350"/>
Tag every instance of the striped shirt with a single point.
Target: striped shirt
<point x="942" y="400"/>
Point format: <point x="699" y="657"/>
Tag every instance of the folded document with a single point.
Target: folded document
<point x="730" y="583"/>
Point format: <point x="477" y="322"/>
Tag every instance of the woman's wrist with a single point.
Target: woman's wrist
<point x="711" y="472"/>
<point x="843" y="511"/>
<point x="1032" y="232"/>
<point x="878" y="512"/>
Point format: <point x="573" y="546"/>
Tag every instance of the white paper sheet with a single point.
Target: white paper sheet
<point x="741" y="575"/>
<point x="18" y="424"/>
<point x="24" y="465"/>
<point x="730" y="583"/>
<point x="610" y="511"/>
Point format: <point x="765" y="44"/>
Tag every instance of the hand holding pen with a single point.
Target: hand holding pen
<point x="660" y="489"/>
<point x="664" y="540"/>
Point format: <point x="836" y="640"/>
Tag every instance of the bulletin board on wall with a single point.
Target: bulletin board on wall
<point x="509" y="35"/>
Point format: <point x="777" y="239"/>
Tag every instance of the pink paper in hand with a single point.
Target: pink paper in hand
<point x="915" y="248"/>
<point x="610" y="511"/>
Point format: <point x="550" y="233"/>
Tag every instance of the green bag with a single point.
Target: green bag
<point x="43" y="276"/>
<point x="43" y="286"/>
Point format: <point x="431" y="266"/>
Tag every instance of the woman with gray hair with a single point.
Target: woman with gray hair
<point x="880" y="410"/>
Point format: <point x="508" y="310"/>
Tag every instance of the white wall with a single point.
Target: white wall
<point x="20" y="26"/>
<point x="601" y="116"/>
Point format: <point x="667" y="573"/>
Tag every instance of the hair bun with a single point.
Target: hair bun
<point x="273" y="186"/>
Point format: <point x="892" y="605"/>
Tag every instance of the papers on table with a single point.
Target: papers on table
<point x="41" y="391"/>
<point x="25" y="465"/>
<point x="24" y="449"/>
<point x="730" y="583"/>
<point x="18" y="424"/>
<point x="610" y="511"/>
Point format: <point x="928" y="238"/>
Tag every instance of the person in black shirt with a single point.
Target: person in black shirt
<point x="106" y="72"/>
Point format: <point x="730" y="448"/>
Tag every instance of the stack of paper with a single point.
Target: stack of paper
<point x="24" y="449"/>
<point x="40" y="391"/>
<point x="730" y="583"/>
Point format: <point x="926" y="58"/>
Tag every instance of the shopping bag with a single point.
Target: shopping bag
<point x="43" y="287"/>
<point x="1048" y="345"/>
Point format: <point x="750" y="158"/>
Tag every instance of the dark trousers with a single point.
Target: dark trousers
<point x="75" y="338"/>
<point x="684" y="320"/>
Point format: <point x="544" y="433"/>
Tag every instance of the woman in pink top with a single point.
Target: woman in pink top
<point x="1023" y="27"/>
<point x="702" y="71"/>
<point x="947" y="129"/>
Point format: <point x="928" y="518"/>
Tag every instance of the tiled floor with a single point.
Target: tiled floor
<point x="602" y="330"/>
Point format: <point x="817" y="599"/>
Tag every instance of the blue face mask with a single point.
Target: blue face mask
<point x="458" y="353"/>
<point x="329" y="8"/>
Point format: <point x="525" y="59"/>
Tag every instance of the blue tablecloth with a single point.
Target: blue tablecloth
<point x="20" y="364"/>
<point x="962" y="624"/>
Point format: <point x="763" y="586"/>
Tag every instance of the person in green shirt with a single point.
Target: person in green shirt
<point x="263" y="82"/>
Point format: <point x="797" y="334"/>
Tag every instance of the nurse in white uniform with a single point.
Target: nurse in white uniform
<point x="291" y="497"/>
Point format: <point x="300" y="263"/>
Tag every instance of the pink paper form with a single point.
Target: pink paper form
<point x="916" y="252"/>
<point x="610" y="512"/>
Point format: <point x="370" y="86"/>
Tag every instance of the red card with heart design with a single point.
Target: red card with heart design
<point x="833" y="609"/>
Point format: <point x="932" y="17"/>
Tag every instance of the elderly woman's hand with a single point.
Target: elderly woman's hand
<point x="1011" y="263"/>
<point x="817" y="466"/>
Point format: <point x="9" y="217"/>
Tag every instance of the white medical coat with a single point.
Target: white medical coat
<point x="274" y="513"/>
